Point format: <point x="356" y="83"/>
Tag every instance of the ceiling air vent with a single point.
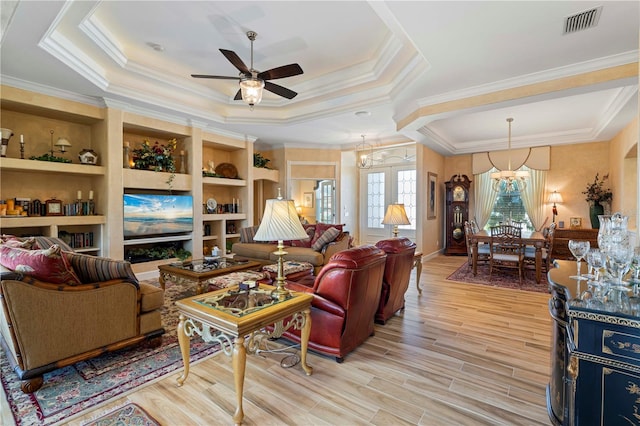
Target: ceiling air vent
<point x="582" y="21"/>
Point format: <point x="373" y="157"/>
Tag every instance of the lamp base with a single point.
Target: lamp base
<point x="280" y="293"/>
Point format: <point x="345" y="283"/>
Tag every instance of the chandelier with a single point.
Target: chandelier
<point x="514" y="180"/>
<point x="364" y="155"/>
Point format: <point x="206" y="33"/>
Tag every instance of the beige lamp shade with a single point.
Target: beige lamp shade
<point x="280" y="222"/>
<point x="63" y="144"/>
<point x="555" y="197"/>
<point x="396" y="215"/>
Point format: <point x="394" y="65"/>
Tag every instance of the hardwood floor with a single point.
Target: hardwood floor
<point x="460" y="354"/>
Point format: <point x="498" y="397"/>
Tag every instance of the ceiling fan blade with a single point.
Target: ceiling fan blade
<point x="238" y="96"/>
<point x="236" y="61"/>
<point x="220" y="77"/>
<point x="279" y="90"/>
<point x="281" y="72"/>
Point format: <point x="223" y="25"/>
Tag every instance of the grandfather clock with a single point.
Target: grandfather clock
<point x="457" y="211"/>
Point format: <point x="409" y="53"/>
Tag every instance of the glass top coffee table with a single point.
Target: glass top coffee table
<point x="229" y="315"/>
<point x="200" y="271"/>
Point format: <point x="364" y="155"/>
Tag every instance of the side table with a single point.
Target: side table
<point x="228" y="316"/>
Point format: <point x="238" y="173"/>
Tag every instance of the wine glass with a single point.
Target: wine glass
<point x="616" y="300"/>
<point x="634" y="300"/>
<point x="595" y="260"/>
<point x="619" y="261"/>
<point x="579" y="249"/>
<point x="635" y="266"/>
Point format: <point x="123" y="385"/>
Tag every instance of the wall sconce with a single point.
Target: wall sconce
<point x="554" y="198"/>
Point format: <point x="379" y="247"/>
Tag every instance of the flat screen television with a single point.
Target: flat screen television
<point x="147" y="215"/>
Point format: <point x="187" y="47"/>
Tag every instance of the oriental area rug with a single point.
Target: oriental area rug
<point x="129" y="414"/>
<point x="504" y="279"/>
<point x="72" y="390"/>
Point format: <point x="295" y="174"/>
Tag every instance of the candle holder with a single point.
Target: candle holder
<point x="126" y="158"/>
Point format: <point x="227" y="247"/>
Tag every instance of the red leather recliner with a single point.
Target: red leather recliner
<point x="346" y="297"/>
<point x="397" y="272"/>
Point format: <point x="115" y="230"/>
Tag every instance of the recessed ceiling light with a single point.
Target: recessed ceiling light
<point x="363" y="113"/>
<point x="155" y="46"/>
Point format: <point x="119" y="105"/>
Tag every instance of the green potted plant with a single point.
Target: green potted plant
<point x="259" y="161"/>
<point x="596" y="195"/>
<point x="157" y="157"/>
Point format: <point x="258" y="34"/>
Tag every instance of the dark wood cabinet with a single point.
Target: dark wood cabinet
<point x="561" y="239"/>
<point x="456" y="213"/>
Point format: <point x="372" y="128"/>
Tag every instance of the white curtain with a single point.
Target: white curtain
<point x="533" y="197"/>
<point x="484" y="198"/>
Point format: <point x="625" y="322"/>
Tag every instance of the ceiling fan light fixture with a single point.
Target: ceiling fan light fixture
<point x="251" y="89"/>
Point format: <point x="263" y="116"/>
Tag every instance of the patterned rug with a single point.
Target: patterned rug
<point x="72" y="390"/>
<point x="129" y="414"/>
<point x="503" y="279"/>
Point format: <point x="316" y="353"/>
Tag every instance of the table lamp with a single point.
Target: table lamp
<point x="554" y="198"/>
<point x="280" y="222"/>
<point x="396" y="215"/>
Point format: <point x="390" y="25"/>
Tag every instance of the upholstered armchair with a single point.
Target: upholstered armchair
<point x="346" y="298"/>
<point x="59" y="308"/>
<point x="397" y="272"/>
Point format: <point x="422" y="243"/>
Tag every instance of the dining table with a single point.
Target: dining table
<point x="529" y="238"/>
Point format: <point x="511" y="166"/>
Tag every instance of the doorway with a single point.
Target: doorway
<point x="381" y="186"/>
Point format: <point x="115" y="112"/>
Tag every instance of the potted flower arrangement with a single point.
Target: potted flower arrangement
<point x="596" y="194"/>
<point x="157" y="157"/>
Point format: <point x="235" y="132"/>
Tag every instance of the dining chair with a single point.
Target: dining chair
<point x="530" y="252"/>
<point x="506" y="249"/>
<point x="483" y="249"/>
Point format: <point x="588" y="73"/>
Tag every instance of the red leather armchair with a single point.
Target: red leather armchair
<point x="346" y="296"/>
<point x="397" y="272"/>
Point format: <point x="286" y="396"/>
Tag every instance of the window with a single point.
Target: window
<point x="509" y="206"/>
<point x="375" y="199"/>
<point x="407" y="189"/>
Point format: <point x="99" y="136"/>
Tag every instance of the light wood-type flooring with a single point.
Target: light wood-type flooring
<point x="459" y="354"/>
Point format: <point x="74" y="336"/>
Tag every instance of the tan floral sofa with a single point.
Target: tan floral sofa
<point x="60" y="307"/>
<point x="325" y="239"/>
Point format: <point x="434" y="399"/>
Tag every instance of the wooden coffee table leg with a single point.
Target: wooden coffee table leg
<point x="184" y="342"/>
<point x="239" y="362"/>
<point x="304" y="341"/>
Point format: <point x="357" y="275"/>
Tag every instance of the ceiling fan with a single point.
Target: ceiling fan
<point x="252" y="81"/>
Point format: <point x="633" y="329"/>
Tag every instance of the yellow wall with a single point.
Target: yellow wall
<point x="430" y="233"/>
<point x="572" y="168"/>
<point x="624" y="172"/>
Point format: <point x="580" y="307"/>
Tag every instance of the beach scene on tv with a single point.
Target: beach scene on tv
<point x="147" y="215"/>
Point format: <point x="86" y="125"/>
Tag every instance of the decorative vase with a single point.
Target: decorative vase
<point x="595" y="210"/>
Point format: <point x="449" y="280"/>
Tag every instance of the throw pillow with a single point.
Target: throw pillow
<point x="18" y="242"/>
<point x="46" y="242"/>
<point x="93" y="269"/>
<point x="307" y="241"/>
<point x="322" y="227"/>
<point x="247" y="234"/>
<point x="46" y="265"/>
<point x="328" y="236"/>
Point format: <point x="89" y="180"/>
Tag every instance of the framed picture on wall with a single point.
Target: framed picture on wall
<point x="432" y="195"/>
<point x="307" y="199"/>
